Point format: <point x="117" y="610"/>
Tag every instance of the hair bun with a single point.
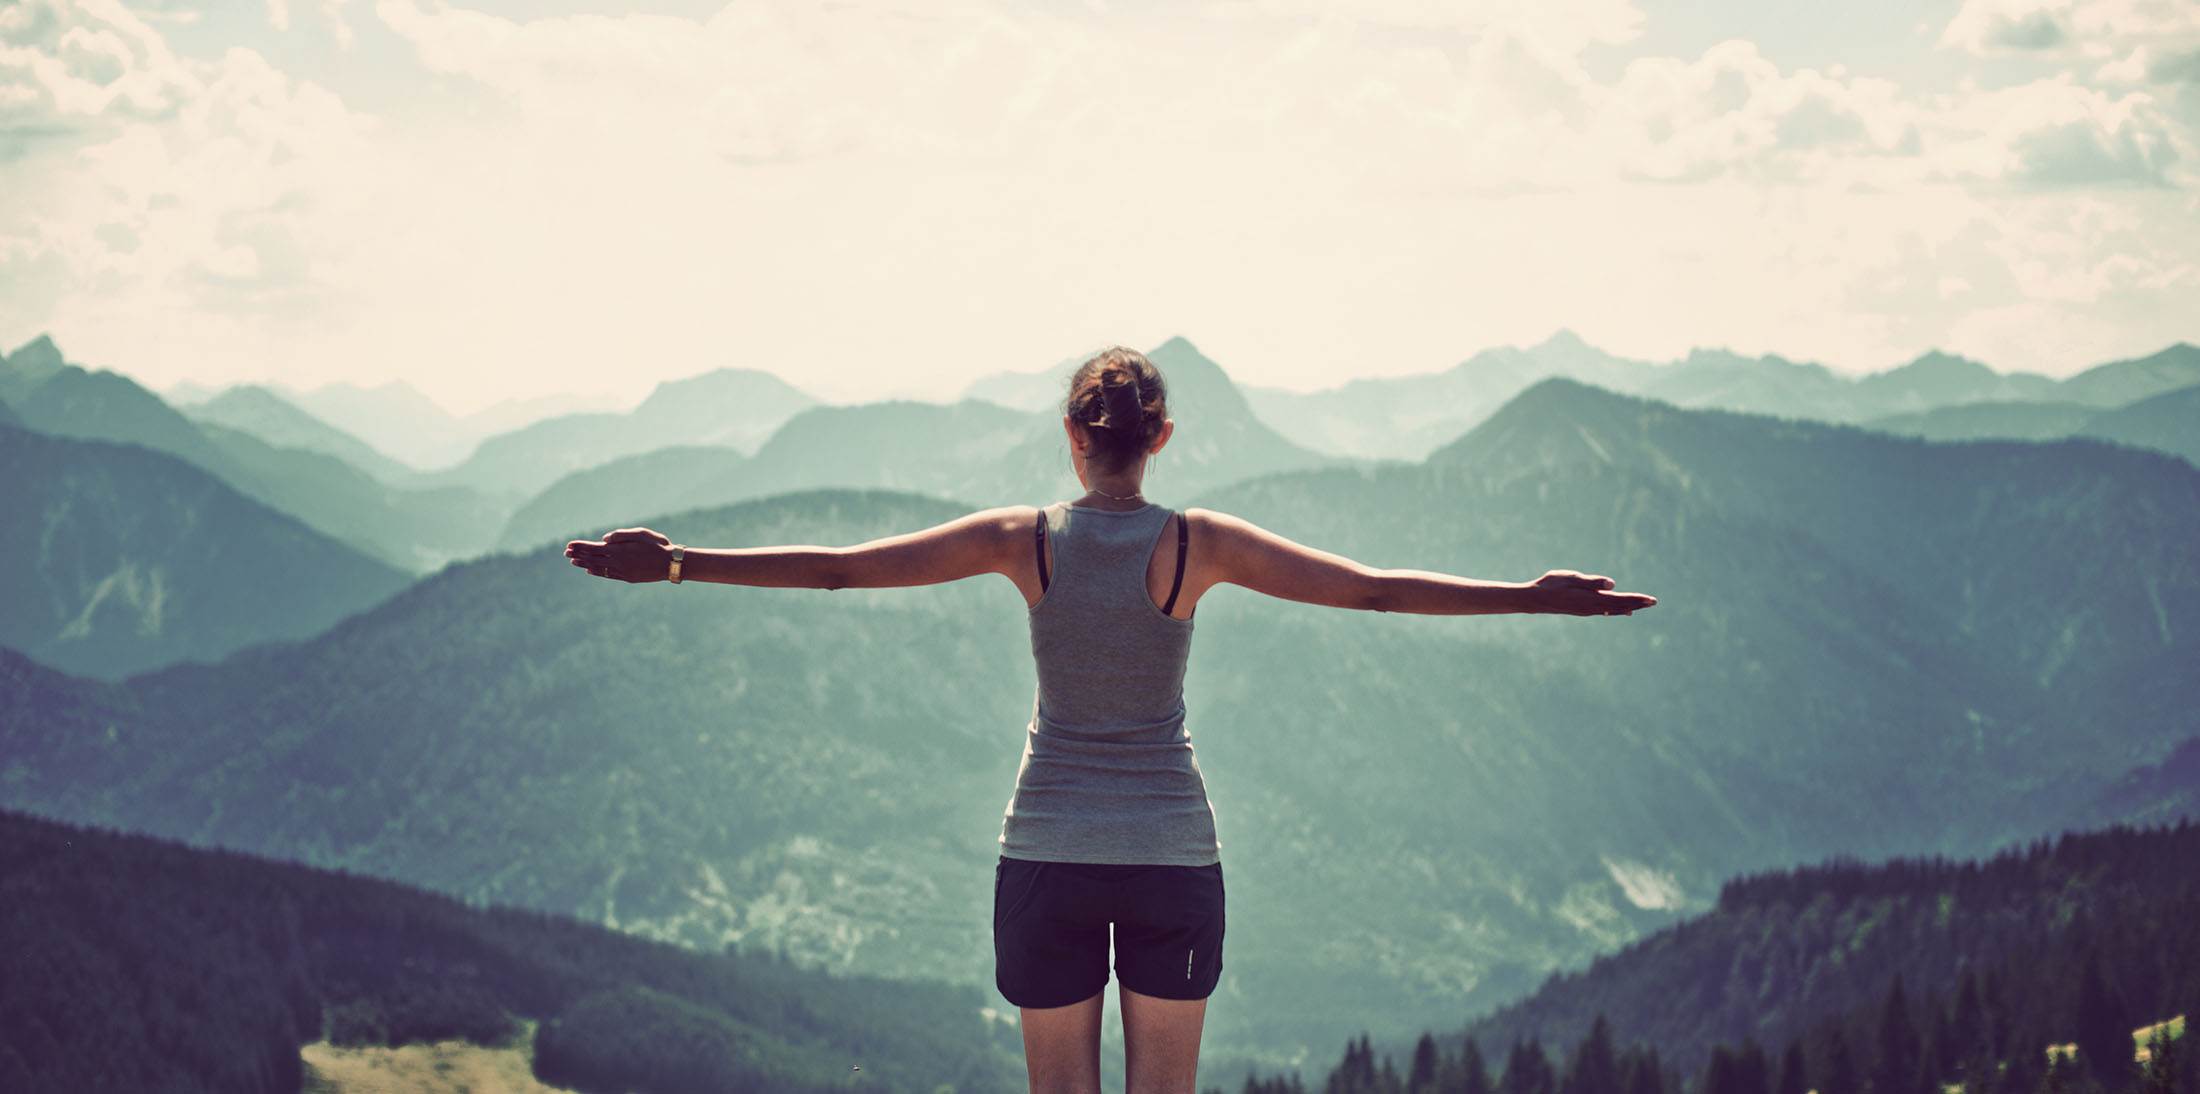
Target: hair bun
<point x="1119" y="402"/>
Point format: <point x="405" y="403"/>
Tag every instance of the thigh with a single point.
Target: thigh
<point x="1168" y="932"/>
<point x="1062" y="1047"/>
<point x="1161" y="1043"/>
<point x="1050" y="935"/>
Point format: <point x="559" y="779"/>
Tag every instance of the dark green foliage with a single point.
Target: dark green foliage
<point x="1427" y="1067"/>
<point x="1897" y="1069"/>
<point x="1793" y="1080"/>
<point x="2164" y="1068"/>
<point x="1845" y="938"/>
<point x="636" y="1039"/>
<point x="1471" y="1074"/>
<point x="1594" y="1068"/>
<point x="1954" y="974"/>
<point x="1527" y="1070"/>
<point x="133" y="964"/>
<point x="2101" y="1027"/>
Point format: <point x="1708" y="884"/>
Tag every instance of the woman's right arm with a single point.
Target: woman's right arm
<point x="1238" y="552"/>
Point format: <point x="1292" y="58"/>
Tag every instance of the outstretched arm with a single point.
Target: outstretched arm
<point x="980" y="543"/>
<point x="1241" y="553"/>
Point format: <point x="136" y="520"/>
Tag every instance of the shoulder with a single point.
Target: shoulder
<point x="1218" y="525"/>
<point x="1006" y="521"/>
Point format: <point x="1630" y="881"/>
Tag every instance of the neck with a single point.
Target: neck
<point x="1120" y="488"/>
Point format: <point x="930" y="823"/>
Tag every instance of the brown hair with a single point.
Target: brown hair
<point x="1118" y="397"/>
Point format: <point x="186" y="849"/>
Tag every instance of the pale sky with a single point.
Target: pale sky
<point x="492" y="198"/>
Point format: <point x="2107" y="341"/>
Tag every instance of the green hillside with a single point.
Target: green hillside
<point x="129" y="559"/>
<point x="1908" y="977"/>
<point x="133" y="964"/>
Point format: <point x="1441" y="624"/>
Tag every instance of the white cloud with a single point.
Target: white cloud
<point x="72" y="67"/>
<point x="2127" y="40"/>
<point x="2057" y="133"/>
<point x="1991" y="26"/>
<point x="1733" y="111"/>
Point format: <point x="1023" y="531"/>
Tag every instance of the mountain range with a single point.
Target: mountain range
<point x="973" y="451"/>
<point x="733" y="408"/>
<point x="1865" y="645"/>
<point x="1408" y="417"/>
<point x="128" y="559"/>
<point x="414" y="528"/>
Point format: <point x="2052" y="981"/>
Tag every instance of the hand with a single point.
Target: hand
<point x="1570" y="592"/>
<point x="632" y="555"/>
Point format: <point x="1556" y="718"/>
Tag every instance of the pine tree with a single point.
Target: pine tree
<point x="2163" y="1063"/>
<point x="2102" y="1028"/>
<point x="1594" y="1068"/>
<point x="1426" y="1063"/>
<point x="1527" y="1070"/>
<point x="1472" y="1074"/>
<point x="1841" y="1071"/>
<point x="1896" y="1069"/>
<point x="1644" y="1074"/>
<point x="1793" y="1079"/>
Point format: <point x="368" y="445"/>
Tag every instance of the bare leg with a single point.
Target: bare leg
<point x="1062" y="1047"/>
<point x="1160" y="1043"/>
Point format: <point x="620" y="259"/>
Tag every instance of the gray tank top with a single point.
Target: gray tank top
<point x="1108" y="774"/>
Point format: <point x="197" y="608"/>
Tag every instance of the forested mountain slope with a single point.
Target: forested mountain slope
<point x="133" y="965"/>
<point x="413" y="528"/>
<point x="127" y="559"/>
<point x="1907" y="977"/>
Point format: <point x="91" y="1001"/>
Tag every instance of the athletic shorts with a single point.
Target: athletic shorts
<point x="1051" y="925"/>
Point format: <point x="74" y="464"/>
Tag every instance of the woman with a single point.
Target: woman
<point x="1109" y="832"/>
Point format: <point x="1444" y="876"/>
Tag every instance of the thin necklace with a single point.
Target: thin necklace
<point x="1136" y="495"/>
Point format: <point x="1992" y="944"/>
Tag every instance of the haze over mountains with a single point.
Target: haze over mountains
<point x="1409" y="417"/>
<point x="1866" y="644"/>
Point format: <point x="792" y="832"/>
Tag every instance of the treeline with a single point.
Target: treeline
<point x="132" y="964"/>
<point x="1913" y="977"/>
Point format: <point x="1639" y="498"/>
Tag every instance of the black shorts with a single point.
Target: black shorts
<point x="1051" y="920"/>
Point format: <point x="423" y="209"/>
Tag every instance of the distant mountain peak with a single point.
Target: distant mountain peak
<point x="1938" y="361"/>
<point x="1175" y="345"/>
<point x="36" y="359"/>
<point x="1564" y="338"/>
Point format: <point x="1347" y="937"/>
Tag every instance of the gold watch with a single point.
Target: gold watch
<point x="678" y="553"/>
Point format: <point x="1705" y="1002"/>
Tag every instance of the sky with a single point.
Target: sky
<point x="508" y="198"/>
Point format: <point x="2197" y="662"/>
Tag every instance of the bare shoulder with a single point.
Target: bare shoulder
<point x="1221" y="529"/>
<point x="1002" y="525"/>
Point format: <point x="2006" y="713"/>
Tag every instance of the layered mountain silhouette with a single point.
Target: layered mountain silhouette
<point x="414" y="529"/>
<point x="397" y="420"/>
<point x="1865" y="645"/>
<point x="974" y="451"/>
<point x="1409" y="417"/>
<point x="729" y="408"/>
<point x="127" y="559"/>
<point x="2168" y="422"/>
<point x="261" y="412"/>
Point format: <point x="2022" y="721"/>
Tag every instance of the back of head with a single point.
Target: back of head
<point x="1117" y="396"/>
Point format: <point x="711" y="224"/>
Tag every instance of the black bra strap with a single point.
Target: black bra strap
<point x="1183" y="543"/>
<point x="1039" y="536"/>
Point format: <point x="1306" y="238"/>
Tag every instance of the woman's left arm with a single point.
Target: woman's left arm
<point x="981" y="543"/>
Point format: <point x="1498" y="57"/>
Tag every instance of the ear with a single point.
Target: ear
<point x="1077" y="439"/>
<point x="1168" y="429"/>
